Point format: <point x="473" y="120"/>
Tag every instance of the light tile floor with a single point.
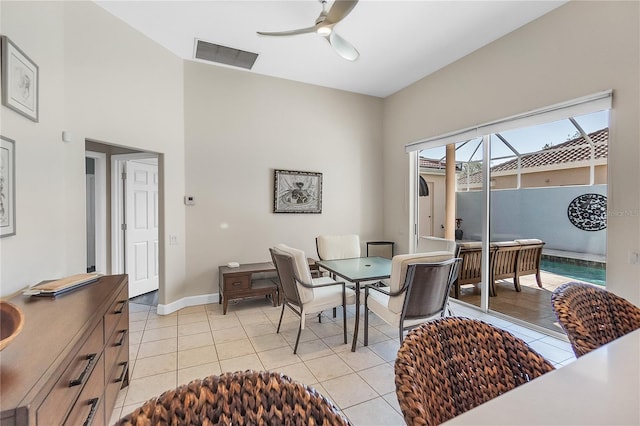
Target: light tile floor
<point x="195" y="342"/>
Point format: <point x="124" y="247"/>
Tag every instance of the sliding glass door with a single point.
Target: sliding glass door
<point x="530" y="208"/>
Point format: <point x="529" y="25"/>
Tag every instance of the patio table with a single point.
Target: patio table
<point x="358" y="270"/>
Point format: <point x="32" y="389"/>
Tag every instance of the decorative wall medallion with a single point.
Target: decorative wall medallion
<point x="588" y="212"/>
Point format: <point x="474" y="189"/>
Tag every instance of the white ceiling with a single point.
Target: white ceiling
<point x="399" y="42"/>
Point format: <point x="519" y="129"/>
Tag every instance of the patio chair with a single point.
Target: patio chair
<point x="418" y="290"/>
<point x="529" y="258"/>
<point x="503" y="264"/>
<point x="592" y="316"/>
<point x="450" y="365"/>
<point x="304" y="295"/>
<point x="250" y="397"/>
<point x="332" y="247"/>
<point x="429" y="244"/>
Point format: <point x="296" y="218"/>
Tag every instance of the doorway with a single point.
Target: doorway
<point x="96" y="208"/>
<point x="135" y="224"/>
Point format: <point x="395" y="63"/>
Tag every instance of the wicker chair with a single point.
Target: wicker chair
<point x="450" y="365"/>
<point x="249" y="398"/>
<point x="592" y="316"/>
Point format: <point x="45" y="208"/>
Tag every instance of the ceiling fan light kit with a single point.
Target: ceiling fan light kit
<point x="324" y="28"/>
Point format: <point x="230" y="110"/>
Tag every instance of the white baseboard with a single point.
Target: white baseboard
<point x="185" y="302"/>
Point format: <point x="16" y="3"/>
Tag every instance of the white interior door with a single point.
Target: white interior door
<point x="141" y="264"/>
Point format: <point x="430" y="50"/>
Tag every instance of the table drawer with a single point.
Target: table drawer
<point x="237" y="282"/>
<point x="71" y="382"/>
<point x="89" y="408"/>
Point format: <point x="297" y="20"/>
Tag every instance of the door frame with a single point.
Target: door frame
<point x="118" y="212"/>
<point x="100" y="162"/>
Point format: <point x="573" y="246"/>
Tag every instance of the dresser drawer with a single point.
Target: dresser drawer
<point x="89" y="407"/>
<point x="236" y="282"/>
<point x="118" y="309"/>
<point x="68" y="387"/>
<point x="118" y="340"/>
<point x="118" y="377"/>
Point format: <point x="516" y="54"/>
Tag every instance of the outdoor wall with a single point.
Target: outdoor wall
<point x="532" y="213"/>
<point x="99" y="80"/>
<point x="557" y="177"/>
<point x="239" y="127"/>
<point x="533" y="67"/>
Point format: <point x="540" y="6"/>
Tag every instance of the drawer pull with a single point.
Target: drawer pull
<point x="123" y="375"/>
<point x="79" y="380"/>
<point x="122" y="304"/>
<point x="94" y="404"/>
<point x="236" y="284"/>
<point x="123" y="335"/>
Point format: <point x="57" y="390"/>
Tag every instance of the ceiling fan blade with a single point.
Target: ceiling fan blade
<point x="343" y="47"/>
<point x="288" y="33"/>
<point x="340" y="10"/>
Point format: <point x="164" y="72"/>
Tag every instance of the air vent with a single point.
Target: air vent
<point x="224" y="55"/>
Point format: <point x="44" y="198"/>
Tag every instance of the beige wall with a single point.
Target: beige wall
<point x="529" y="68"/>
<point x="100" y="80"/>
<point x="240" y="127"/>
<point x="573" y="176"/>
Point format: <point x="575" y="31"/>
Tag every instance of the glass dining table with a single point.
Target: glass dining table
<point x="358" y="270"/>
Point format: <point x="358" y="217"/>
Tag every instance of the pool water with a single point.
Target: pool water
<point x="590" y="274"/>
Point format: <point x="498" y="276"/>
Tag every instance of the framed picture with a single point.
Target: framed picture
<point x="297" y="192"/>
<point x="7" y="187"/>
<point x="19" y="80"/>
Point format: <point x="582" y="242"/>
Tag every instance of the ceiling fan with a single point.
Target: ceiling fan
<point x="324" y="27"/>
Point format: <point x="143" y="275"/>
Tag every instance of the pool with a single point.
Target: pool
<point x="572" y="268"/>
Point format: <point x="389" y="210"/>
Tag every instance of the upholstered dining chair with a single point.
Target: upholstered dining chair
<point x="240" y="398"/>
<point x="332" y="247"/>
<point x="418" y="290"/>
<point x="450" y="365"/>
<point x="592" y="316"/>
<point x="304" y="295"/>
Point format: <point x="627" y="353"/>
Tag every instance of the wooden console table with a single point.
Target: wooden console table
<point x="240" y="283"/>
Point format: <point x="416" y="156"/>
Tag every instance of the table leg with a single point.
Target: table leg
<point x="357" y="322"/>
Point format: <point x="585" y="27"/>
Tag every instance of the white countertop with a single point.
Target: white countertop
<point x="599" y="388"/>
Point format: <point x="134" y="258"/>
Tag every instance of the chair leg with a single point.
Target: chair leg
<point x="281" y="315"/>
<point x="334" y="312"/>
<point x="344" y="316"/>
<point x="366" y="325"/>
<point x="516" y="282"/>
<point x="538" y="279"/>
<point x="295" y="348"/>
<point x="401" y="327"/>
<point x="320" y="317"/>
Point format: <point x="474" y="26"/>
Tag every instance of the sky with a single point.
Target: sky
<point x="527" y="139"/>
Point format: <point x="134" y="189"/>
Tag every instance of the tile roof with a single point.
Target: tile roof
<point x="556" y="154"/>
<point x="431" y="163"/>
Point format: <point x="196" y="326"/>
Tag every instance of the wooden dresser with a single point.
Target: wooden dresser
<point x="71" y="358"/>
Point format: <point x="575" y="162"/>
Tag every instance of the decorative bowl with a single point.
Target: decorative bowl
<point x="11" y="322"/>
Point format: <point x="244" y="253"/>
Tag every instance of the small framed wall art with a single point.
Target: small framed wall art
<point x="7" y="187"/>
<point x="19" y="80"/>
<point x="297" y="192"/>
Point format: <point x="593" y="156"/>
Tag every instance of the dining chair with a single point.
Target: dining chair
<point x="303" y="294"/>
<point x="418" y="290"/>
<point x="592" y="316"/>
<point x="240" y="398"/>
<point x="331" y="247"/>
<point x="450" y="365"/>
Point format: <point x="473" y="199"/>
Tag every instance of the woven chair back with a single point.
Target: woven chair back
<point x="450" y="365"/>
<point x="428" y="286"/>
<point x="241" y="398"/>
<point x="592" y="316"/>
